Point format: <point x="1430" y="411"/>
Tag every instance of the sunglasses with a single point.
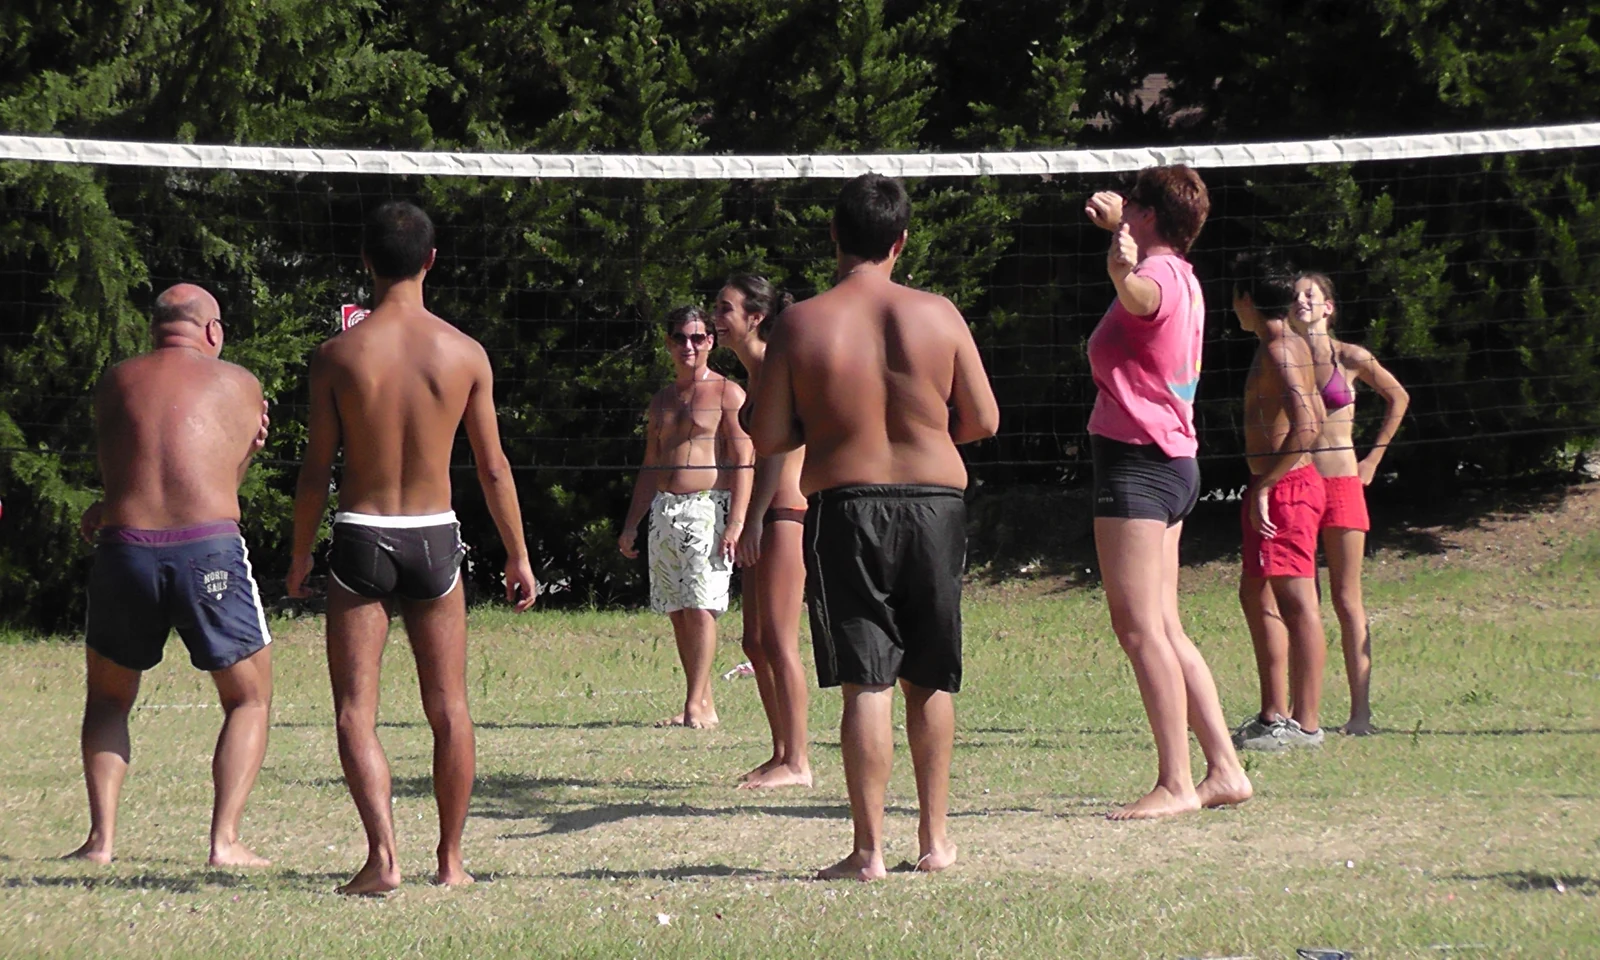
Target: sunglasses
<point x="698" y="339"/>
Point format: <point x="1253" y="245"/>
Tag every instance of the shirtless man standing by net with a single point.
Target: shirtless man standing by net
<point x="1283" y="416"/>
<point x="392" y="392"/>
<point x="695" y="485"/>
<point x="880" y="383"/>
<point x="176" y="428"/>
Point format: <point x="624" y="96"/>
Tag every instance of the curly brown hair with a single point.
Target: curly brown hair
<point x="1178" y="197"/>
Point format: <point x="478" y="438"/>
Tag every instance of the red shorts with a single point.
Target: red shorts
<point x="1347" y="505"/>
<point x="1295" y="507"/>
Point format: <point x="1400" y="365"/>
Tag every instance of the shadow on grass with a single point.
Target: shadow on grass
<point x="685" y="872"/>
<point x="190" y="883"/>
<point x="482" y="725"/>
<point x="559" y="821"/>
<point x="1533" y="881"/>
<point x="1497" y="732"/>
<point x="499" y="787"/>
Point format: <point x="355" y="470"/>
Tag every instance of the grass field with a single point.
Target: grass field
<point x="1470" y="828"/>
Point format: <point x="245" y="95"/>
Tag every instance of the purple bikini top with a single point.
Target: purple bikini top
<point x="1336" y="394"/>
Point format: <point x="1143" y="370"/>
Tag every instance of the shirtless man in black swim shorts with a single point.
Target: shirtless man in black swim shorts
<point x="880" y="382"/>
<point x="175" y="429"/>
<point x="392" y="392"/>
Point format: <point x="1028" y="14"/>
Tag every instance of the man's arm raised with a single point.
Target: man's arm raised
<point x="974" y="414"/>
<point x="499" y="486"/>
<point x="311" y="492"/>
<point x="774" y="428"/>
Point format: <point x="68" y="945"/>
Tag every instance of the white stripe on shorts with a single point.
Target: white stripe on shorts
<point x="396" y="523"/>
<point x="255" y="594"/>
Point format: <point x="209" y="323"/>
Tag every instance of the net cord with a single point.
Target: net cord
<point x="816" y="166"/>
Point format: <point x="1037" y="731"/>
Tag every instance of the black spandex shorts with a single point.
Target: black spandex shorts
<point x="197" y="579"/>
<point x="1139" y="482"/>
<point x="883" y="574"/>
<point x="413" y="558"/>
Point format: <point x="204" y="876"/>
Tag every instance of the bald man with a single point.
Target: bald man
<point x="175" y="428"/>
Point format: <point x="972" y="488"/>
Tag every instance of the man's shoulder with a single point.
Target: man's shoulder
<point x="237" y="373"/>
<point x="730" y="391"/>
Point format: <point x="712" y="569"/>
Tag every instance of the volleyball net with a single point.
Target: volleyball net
<point x="1469" y="263"/>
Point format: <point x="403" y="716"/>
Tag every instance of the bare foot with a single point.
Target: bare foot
<point x="937" y="859"/>
<point x="1159" y="802"/>
<point x="1358" y="728"/>
<point x="235" y="855"/>
<point x="771" y="762"/>
<point x="1224" y="790"/>
<point x="782" y="775"/>
<point x="855" y="867"/>
<point x="374" y="880"/>
<point x="92" y="850"/>
<point x="694" y="721"/>
<point x="454" y="877"/>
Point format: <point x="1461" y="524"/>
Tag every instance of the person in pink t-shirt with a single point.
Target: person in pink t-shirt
<point x="1145" y="358"/>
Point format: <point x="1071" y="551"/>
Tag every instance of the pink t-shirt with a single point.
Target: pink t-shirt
<point x="1147" y="368"/>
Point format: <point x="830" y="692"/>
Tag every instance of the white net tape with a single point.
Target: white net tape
<point x="819" y="166"/>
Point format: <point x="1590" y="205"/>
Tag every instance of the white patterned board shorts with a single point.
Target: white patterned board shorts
<point x="687" y="569"/>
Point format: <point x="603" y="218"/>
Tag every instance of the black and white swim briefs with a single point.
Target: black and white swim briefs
<point x="413" y="558"/>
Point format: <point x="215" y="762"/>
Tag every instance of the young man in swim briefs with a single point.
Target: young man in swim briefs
<point x="392" y="392"/>
<point x="695" y="485"/>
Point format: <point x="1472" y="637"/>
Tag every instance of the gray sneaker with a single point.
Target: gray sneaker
<point x="1282" y="734"/>
<point x="1297" y="737"/>
<point x="1250" y="730"/>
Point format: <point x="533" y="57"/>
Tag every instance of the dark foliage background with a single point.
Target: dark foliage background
<point x="1477" y="279"/>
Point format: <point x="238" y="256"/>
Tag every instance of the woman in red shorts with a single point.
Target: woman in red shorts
<point x="1344" y="521"/>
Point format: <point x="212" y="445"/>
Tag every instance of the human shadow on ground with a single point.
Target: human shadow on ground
<point x="563" y="818"/>
<point x="482" y="725"/>
<point x="1534" y="881"/>
<point x="498" y="786"/>
<point x="188" y="883"/>
<point x="685" y="872"/>
<point x="1498" y="732"/>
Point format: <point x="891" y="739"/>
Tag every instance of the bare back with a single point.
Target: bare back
<point x="175" y="430"/>
<point x="1282" y="370"/>
<point x="872" y="366"/>
<point x="401" y="382"/>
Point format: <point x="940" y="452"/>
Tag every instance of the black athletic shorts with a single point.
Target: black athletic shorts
<point x="1138" y="482"/>
<point x="197" y="579"/>
<point x="883" y="584"/>
<point x="413" y="558"/>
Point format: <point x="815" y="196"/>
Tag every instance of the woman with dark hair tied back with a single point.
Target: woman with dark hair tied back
<point x="1145" y="358"/>
<point x="1344" y="521"/>
<point x="770" y="550"/>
